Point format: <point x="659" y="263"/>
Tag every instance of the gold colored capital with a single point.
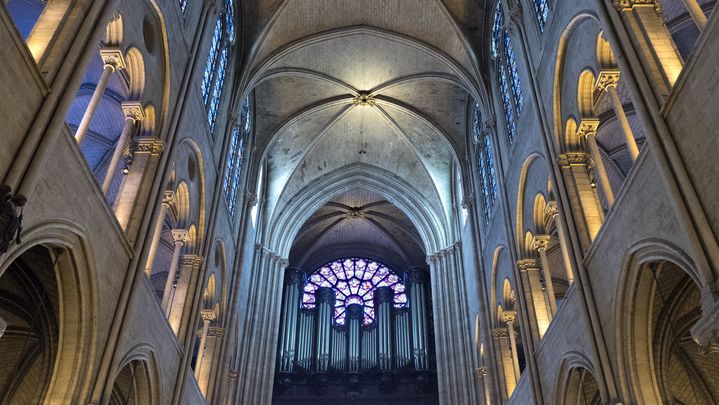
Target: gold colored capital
<point x="168" y="198"/>
<point x="133" y="110"/>
<point x="527" y="264"/>
<point x="180" y="236"/>
<point x="587" y="127"/>
<point x="113" y="58"/>
<point x="208" y="315"/>
<point x="509" y="317"/>
<point x="149" y="145"/>
<point x="572" y="159"/>
<point x="541" y="242"/>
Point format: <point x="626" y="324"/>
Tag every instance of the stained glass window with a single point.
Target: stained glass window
<point x="354" y="281"/>
<point x="235" y="155"/>
<point x="213" y="80"/>
<point x="510" y="86"/>
<point x="485" y="158"/>
<point x="541" y="11"/>
<point x="183" y="5"/>
<point x="211" y="61"/>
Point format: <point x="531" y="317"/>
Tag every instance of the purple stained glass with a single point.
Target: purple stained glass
<point x="354" y="281"/>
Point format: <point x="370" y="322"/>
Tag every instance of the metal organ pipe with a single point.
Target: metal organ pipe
<point x="384" y="297"/>
<point x="355" y="313"/>
<point x="305" y="341"/>
<point x="325" y="297"/>
<point x="401" y="334"/>
<point x="290" y="308"/>
<point x="418" y="279"/>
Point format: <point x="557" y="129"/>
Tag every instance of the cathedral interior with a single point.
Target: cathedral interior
<point x="384" y="202"/>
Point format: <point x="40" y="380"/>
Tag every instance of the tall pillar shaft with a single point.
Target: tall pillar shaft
<point x="541" y="242"/>
<point x="588" y="129"/>
<point x="208" y="316"/>
<point x="509" y="318"/>
<point x="113" y="61"/>
<point x="134" y="112"/>
<point x="552" y="211"/>
<point x="180" y="236"/>
<point x="539" y="312"/>
<point x="168" y="200"/>
<point x="697" y="14"/>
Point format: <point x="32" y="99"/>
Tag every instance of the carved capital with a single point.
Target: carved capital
<point x="233" y="375"/>
<point x="607" y="78"/>
<point x="168" y="198"/>
<point x="180" y="236"/>
<point x="192" y="260"/>
<point x="480" y="372"/>
<point x="587" y="127"/>
<point x="541" y="242"/>
<point x="215" y="331"/>
<point x="626" y="5"/>
<point x="133" y="110"/>
<point x="208" y="315"/>
<point x="500" y="333"/>
<point x="527" y="264"/>
<point x="293" y="275"/>
<point x="113" y="58"/>
<point x="149" y="145"/>
<point x="572" y="159"/>
<point x="509" y="317"/>
<point x="551" y="209"/>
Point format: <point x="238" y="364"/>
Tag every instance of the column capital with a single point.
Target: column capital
<point x="325" y="294"/>
<point x="168" y="198"/>
<point x="509" y="317"/>
<point x="383" y="294"/>
<point x="625" y="5"/>
<point x="607" y="78"/>
<point x="215" y="331"/>
<point x="153" y="146"/>
<point x="233" y="374"/>
<point x="180" y="236"/>
<point x="527" y="264"/>
<point x="587" y="127"/>
<point x="355" y="311"/>
<point x="572" y="159"/>
<point x="113" y="58"/>
<point x="541" y="242"/>
<point x="192" y="260"/>
<point x="293" y="275"/>
<point x="480" y="372"/>
<point x="551" y="209"/>
<point x="133" y="110"/>
<point x="500" y="332"/>
<point x="208" y="315"/>
<point x="418" y="275"/>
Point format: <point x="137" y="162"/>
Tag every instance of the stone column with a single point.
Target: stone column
<point x="134" y="112"/>
<point x="505" y="362"/>
<point x="355" y="313"/>
<point x="540" y="243"/>
<point x="588" y="130"/>
<point x="418" y="279"/>
<point x="205" y="376"/>
<point x="383" y="298"/>
<point x="325" y="297"/>
<point x="168" y="200"/>
<point x="181" y="237"/>
<point x="180" y="298"/>
<point x="608" y="81"/>
<point x="539" y="313"/>
<point x="3" y="327"/>
<point x="654" y="42"/>
<point x="208" y="315"/>
<point x="113" y="61"/>
<point x="509" y="317"/>
<point x="552" y="212"/>
<point x="288" y="328"/>
<point x="589" y="216"/>
<point x="135" y="188"/>
<point x="697" y="14"/>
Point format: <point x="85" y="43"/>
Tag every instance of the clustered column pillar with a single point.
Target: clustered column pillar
<point x="207" y="368"/>
<point x="290" y="309"/>
<point x="608" y="81"/>
<point x="355" y="314"/>
<point x="534" y="297"/>
<point x="168" y="200"/>
<point x="134" y="112"/>
<point x="113" y="61"/>
<point x="418" y="279"/>
<point x="552" y="212"/>
<point x="383" y="297"/>
<point x="325" y="297"/>
<point x="588" y="130"/>
<point x="541" y="242"/>
<point x="509" y="318"/>
<point x="503" y="349"/>
<point x="181" y="237"/>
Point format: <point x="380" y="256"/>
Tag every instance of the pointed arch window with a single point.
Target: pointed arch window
<point x="510" y="86"/>
<point x="213" y="80"/>
<point x="235" y="156"/>
<point x="541" y="11"/>
<point x="485" y="163"/>
<point x="183" y="5"/>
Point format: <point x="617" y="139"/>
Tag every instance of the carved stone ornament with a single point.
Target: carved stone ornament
<point x="480" y="372"/>
<point x="541" y="242"/>
<point x="588" y="126"/>
<point x="509" y="317"/>
<point x="215" y="331"/>
<point x="168" y="198"/>
<point x="192" y="260"/>
<point x="113" y="58"/>
<point x="528" y="264"/>
<point x="152" y="146"/>
<point x="10" y="219"/>
<point x="207" y="315"/>
<point x="607" y="78"/>
<point x="180" y="236"/>
<point x="500" y="333"/>
<point x="572" y="159"/>
<point x="364" y="99"/>
<point x="625" y="5"/>
<point x="133" y="110"/>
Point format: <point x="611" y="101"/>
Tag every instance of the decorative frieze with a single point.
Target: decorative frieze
<point x="626" y="5"/>
<point x="192" y="260"/>
<point x="569" y="159"/>
<point x="149" y="145"/>
<point x="527" y="264"/>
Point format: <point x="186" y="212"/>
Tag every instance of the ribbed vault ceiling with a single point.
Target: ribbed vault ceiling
<point x="309" y="62"/>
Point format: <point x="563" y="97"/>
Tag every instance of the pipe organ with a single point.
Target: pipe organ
<point x="311" y="341"/>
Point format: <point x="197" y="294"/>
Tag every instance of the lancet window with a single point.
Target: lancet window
<point x="485" y="163"/>
<point x="510" y="85"/>
<point x="541" y="12"/>
<point x="235" y="156"/>
<point x="213" y="80"/>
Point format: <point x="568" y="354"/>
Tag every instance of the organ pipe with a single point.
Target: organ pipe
<point x="290" y="309"/>
<point x="305" y="340"/>
<point x="418" y="279"/>
<point x="401" y="334"/>
<point x="355" y="314"/>
<point x="383" y="305"/>
<point x="325" y="305"/>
